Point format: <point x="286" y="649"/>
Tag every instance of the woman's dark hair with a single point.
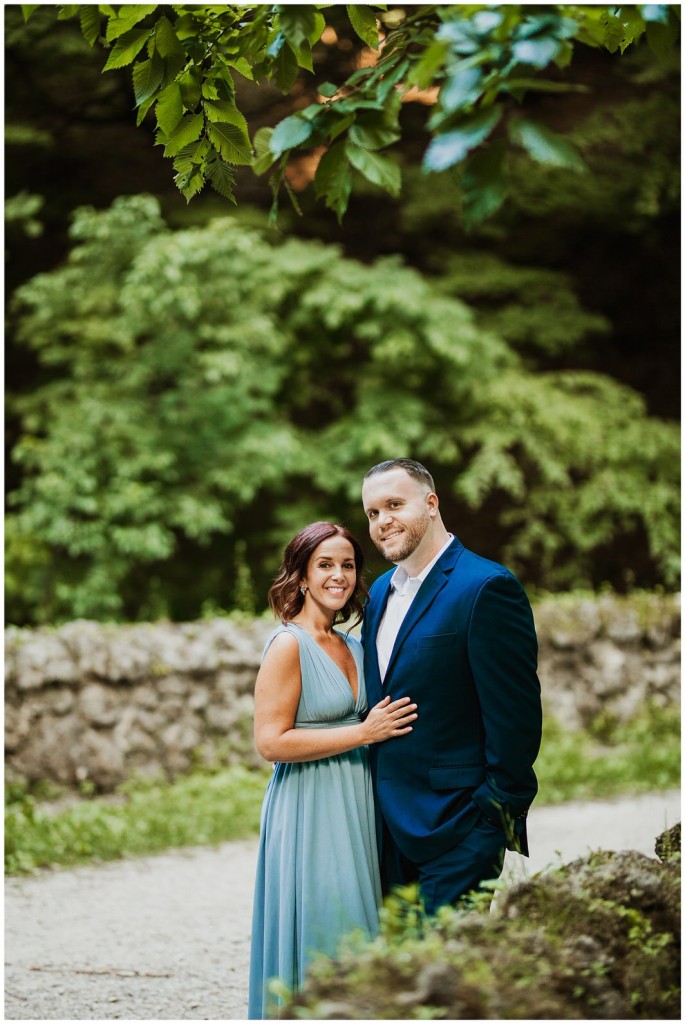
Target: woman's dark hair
<point x="285" y="598"/>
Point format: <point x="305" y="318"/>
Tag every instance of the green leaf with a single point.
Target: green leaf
<point x="451" y="147"/>
<point x="242" y="67"/>
<point x="147" y="78"/>
<point x="380" y="170"/>
<point x="143" y="109"/>
<point x="128" y="16"/>
<point x="231" y="142"/>
<point x="224" y="110"/>
<point x="192" y="155"/>
<point x="167" y="42"/>
<point x="285" y="68"/>
<point x="538" y="52"/>
<point x="292" y="131"/>
<point x="189" y="183"/>
<point x="127" y="48"/>
<point x="90" y="23"/>
<point x="264" y="158"/>
<point x="460" y="88"/>
<point x="483" y="183"/>
<point x="28" y="9"/>
<point x="546" y="146"/>
<point x="333" y="181"/>
<point x="363" y="22"/>
<point x="67" y="11"/>
<point x="373" y="131"/>
<point x="425" y="70"/>
<point x="190" y="84"/>
<point x="169" y="109"/>
<point x="340" y="125"/>
<point x="187" y="131"/>
<point x="328" y="89"/>
<point x="298" y="23"/>
<point x="220" y="176"/>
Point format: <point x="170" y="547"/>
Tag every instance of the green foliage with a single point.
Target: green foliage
<point x="480" y="57"/>
<point x="610" y="759"/>
<point x="146" y="818"/>
<point x="191" y="379"/>
<point x="596" y="939"/>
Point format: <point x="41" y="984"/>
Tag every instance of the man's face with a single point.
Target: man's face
<point x="398" y="509"/>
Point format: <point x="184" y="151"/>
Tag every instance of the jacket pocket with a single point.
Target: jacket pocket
<point x="440" y="640"/>
<point x="463" y="776"/>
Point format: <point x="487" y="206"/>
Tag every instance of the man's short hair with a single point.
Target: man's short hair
<point x="410" y="466"/>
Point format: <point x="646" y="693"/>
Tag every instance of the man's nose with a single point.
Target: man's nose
<point x="384" y="517"/>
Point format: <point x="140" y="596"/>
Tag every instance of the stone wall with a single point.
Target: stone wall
<point x="97" y="702"/>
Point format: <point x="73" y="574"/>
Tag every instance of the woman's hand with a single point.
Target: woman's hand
<point x="388" y="719"/>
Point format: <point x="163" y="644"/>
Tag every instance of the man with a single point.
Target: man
<point x="454" y="632"/>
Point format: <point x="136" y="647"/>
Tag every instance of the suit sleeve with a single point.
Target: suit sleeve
<point x="502" y="651"/>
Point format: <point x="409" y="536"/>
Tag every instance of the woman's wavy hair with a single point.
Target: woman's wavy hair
<point x="285" y="598"/>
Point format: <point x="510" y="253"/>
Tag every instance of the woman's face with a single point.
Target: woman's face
<point x="331" y="574"/>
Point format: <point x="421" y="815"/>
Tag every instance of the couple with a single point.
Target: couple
<point x="448" y="662"/>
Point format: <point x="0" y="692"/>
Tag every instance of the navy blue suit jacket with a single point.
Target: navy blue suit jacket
<point x="467" y="654"/>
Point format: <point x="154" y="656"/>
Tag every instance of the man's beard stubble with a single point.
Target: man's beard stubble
<point x="414" y="534"/>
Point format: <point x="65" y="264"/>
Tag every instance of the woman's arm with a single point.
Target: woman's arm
<point x="277" y="695"/>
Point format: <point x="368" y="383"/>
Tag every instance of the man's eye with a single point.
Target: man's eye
<point x="372" y="515"/>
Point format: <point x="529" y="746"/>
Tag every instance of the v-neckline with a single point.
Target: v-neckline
<point x="355" y="697"/>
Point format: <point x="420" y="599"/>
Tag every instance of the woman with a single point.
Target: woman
<point x="317" y="874"/>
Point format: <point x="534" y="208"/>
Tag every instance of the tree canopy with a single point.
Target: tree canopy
<point x="204" y="392"/>
<point x="478" y="60"/>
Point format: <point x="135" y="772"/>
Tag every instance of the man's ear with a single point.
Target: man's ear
<point x="433" y="504"/>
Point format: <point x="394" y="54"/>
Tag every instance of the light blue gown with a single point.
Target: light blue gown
<point x="317" y="872"/>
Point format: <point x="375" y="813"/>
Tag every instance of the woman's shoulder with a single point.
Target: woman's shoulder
<point x="282" y="640"/>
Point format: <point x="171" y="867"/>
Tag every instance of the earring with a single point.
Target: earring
<point x="303" y="590"/>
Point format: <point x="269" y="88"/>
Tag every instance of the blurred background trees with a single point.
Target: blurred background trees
<point x="188" y="387"/>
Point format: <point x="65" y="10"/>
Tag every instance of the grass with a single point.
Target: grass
<point x="610" y="759"/>
<point x="210" y="807"/>
<point x="197" y="809"/>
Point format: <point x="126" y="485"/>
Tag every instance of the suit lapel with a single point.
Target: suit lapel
<point x="428" y="591"/>
<point x="372" y="616"/>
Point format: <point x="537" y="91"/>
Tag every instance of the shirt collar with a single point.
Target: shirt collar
<point x="401" y="581"/>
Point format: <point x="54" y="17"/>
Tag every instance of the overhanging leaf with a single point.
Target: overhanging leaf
<point x="187" y="131"/>
<point x="224" y="110"/>
<point x="89" y="17"/>
<point x="147" y="78"/>
<point x="127" y="48"/>
<point x="363" y="22"/>
<point x="292" y="131"/>
<point x="127" y="16"/>
<point x="220" y="176"/>
<point x="231" y="142"/>
<point x="169" y="109"/>
<point x="333" y="181"/>
<point x="460" y="88"/>
<point x="380" y="170"/>
<point x="451" y="147"/>
<point x="264" y="158"/>
<point x="546" y="146"/>
<point x="538" y="52"/>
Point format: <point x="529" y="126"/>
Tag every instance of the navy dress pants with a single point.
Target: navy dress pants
<point x="446" y="879"/>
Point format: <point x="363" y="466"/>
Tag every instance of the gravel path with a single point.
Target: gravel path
<point x="167" y="937"/>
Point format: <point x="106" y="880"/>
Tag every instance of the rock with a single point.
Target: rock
<point x="99" y="705"/>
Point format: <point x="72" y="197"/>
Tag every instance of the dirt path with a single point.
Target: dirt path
<point x="167" y="937"/>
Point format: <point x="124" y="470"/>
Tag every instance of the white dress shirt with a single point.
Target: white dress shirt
<point x="403" y="590"/>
